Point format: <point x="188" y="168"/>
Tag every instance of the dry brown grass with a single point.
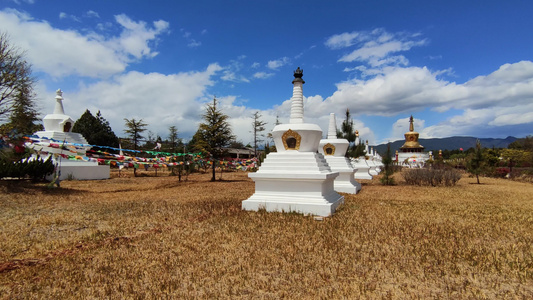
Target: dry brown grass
<point x="152" y="237"/>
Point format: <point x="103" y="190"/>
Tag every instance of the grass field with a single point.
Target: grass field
<point x="155" y="237"/>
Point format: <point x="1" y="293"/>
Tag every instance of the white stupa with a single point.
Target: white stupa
<point x="296" y="178"/>
<point x="370" y="161"/>
<point x="57" y="140"/>
<point x="334" y="151"/>
<point x="375" y="159"/>
<point x="360" y="164"/>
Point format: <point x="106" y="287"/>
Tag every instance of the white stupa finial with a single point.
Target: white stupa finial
<point x="297" y="100"/>
<point x="332" y="129"/>
<point x="58" y="110"/>
<point x="357" y="137"/>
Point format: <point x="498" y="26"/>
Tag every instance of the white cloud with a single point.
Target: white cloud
<point x="343" y="40"/>
<point x="255" y="65"/>
<point x="232" y="70"/>
<point x="501" y="98"/>
<point x="159" y="100"/>
<point x="92" y="14"/>
<point x="488" y="122"/>
<point x="471" y="122"/>
<point x="62" y="53"/>
<point x="135" y="37"/>
<point x="396" y="91"/>
<point x="191" y="42"/>
<point x="194" y="43"/>
<point x="275" y="64"/>
<point x="24" y="1"/>
<point x="263" y="75"/>
<point x="375" y="47"/>
<point x="63" y="15"/>
<point x="232" y="76"/>
<point x="513" y="118"/>
<point x="374" y="50"/>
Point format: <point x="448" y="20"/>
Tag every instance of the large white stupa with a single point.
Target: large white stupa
<point x="334" y="150"/>
<point x="296" y="178"/>
<point x="58" y="140"/>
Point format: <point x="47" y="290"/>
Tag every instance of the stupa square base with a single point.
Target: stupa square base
<point x="363" y="175"/>
<point x="284" y="203"/>
<point x="346" y="183"/>
<point x="306" y="196"/>
<point x="82" y="171"/>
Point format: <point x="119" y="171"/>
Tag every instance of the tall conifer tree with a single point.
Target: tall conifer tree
<point x="347" y="132"/>
<point x="214" y="134"/>
<point x="258" y="126"/>
<point x="95" y="129"/>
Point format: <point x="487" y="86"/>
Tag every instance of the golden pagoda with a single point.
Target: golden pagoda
<point x="411" y="140"/>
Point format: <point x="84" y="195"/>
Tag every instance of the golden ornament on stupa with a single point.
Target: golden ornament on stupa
<point x="411" y="139"/>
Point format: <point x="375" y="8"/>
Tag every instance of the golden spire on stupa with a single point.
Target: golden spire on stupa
<point x="411" y="137"/>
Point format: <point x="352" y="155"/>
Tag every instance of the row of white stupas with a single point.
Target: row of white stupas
<point x="304" y="175"/>
<point x="307" y="173"/>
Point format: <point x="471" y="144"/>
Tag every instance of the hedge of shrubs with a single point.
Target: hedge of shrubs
<point x="36" y="169"/>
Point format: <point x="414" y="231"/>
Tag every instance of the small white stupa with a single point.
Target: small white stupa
<point x="296" y="178"/>
<point x="58" y="140"/>
<point x="370" y="161"/>
<point x="334" y="151"/>
<point x="375" y="159"/>
<point x="360" y="164"/>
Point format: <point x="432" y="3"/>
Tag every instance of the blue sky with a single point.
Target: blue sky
<point x="459" y="67"/>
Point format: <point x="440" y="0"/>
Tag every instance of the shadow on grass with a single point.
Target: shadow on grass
<point x="29" y="187"/>
<point x="230" y="180"/>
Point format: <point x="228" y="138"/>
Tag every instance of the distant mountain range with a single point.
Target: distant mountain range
<point x="450" y="143"/>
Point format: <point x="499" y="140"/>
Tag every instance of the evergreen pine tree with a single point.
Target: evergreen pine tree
<point x="95" y="130"/>
<point x="388" y="168"/>
<point x="347" y="132"/>
<point x="175" y="144"/>
<point x="17" y="100"/>
<point x="24" y="118"/>
<point x="214" y="134"/>
<point x="134" y="129"/>
<point x="15" y="79"/>
<point x="258" y="127"/>
<point x="476" y="161"/>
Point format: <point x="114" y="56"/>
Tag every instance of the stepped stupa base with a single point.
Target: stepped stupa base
<point x="308" y="196"/>
<point x="345" y="182"/>
<point x="362" y="169"/>
<point x="292" y="181"/>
